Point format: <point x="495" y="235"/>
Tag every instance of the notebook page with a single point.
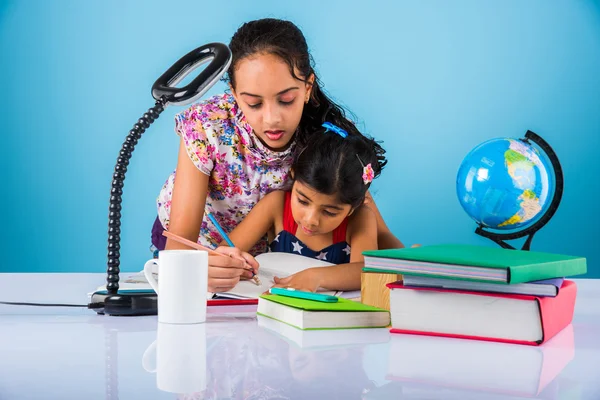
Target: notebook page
<point x="272" y="265"/>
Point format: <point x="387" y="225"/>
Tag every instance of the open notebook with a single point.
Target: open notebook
<point x="280" y="265"/>
<point x="271" y="265"/>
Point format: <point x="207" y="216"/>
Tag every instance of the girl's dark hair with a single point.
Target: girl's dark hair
<point x="331" y="164"/>
<point x="286" y="41"/>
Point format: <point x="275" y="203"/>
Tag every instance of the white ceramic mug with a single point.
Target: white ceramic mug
<point x="180" y="358"/>
<point x="182" y="285"/>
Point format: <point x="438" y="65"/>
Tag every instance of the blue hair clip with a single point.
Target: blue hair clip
<point x="331" y="127"/>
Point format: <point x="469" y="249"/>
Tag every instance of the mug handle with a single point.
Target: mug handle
<point x="148" y="274"/>
<point x="146" y="358"/>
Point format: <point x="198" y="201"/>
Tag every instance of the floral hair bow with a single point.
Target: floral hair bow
<point x="331" y="127"/>
<point x="368" y="173"/>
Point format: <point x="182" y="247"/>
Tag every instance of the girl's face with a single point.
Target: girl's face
<point x="316" y="213"/>
<point x="271" y="98"/>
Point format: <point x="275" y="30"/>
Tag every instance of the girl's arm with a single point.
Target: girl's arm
<point x="385" y="238"/>
<point x="187" y="210"/>
<point x="258" y="221"/>
<point x="188" y="200"/>
<point x="362" y="231"/>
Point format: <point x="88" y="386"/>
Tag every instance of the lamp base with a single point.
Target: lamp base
<point x="125" y="304"/>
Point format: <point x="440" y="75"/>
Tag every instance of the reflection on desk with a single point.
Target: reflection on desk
<point x="73" y="354"/>
<point x="323" y="338"/>
<point x="456" y="367"/>
<point x="262" y="364"/>
<point x="178" y="357"/>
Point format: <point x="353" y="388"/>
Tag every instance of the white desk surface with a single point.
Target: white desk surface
<point x="62" y="353"/>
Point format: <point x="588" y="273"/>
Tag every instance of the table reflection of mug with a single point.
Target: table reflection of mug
<point x="180" y="358"/>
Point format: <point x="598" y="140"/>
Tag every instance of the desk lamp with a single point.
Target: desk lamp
<point x="165" y="93"/>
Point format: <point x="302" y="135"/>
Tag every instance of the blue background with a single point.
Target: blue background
<point x="431" y="79"/>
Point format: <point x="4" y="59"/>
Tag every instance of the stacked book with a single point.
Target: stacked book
<point x="310" y="315"/>
<point x="479" y="292"/>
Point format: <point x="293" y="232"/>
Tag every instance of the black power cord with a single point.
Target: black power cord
<point x="18" y="303"/>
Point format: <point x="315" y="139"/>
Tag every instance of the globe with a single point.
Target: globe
<point x="506" y="184"/>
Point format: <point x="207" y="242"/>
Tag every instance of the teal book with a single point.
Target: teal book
<point x="310" y="314"/>
<point x="474" y="263"/>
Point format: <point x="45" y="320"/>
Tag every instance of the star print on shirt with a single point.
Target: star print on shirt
<point x="297" y="247"/>
<point x="347" y="249"/>
<point x="276" y="238"/>
<point x="322" y="256"/>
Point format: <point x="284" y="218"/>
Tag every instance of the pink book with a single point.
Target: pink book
<point x="494" y="317"/>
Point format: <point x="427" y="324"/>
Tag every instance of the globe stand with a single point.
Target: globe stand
<point x="530" y="231"/>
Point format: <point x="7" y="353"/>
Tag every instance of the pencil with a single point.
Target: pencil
<point x="228" y="240"/>
<point x="194" y="245"/>
<point x="221" y="231"/>
<point x="198" y="246"/>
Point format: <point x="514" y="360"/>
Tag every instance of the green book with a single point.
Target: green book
<point x="310" y="314"/>
<point x="475" y="263"/>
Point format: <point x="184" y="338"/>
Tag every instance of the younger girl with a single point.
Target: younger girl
<point x="323" y="215"/>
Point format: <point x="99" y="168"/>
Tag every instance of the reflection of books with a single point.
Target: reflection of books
<point x="409" y="391"/>
<point x="324" y="338"/>
<point x="419" y="361"/>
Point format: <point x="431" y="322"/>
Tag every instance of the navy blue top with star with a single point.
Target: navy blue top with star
<point x="287" y="242"/>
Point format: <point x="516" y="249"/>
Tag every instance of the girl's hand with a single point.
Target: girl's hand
<point x="225" y="272"/>
<point x="236" y="253"/>
<point x="307" y="280"/>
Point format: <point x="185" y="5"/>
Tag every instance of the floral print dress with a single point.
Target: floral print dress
<point x="241" y="170"/>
